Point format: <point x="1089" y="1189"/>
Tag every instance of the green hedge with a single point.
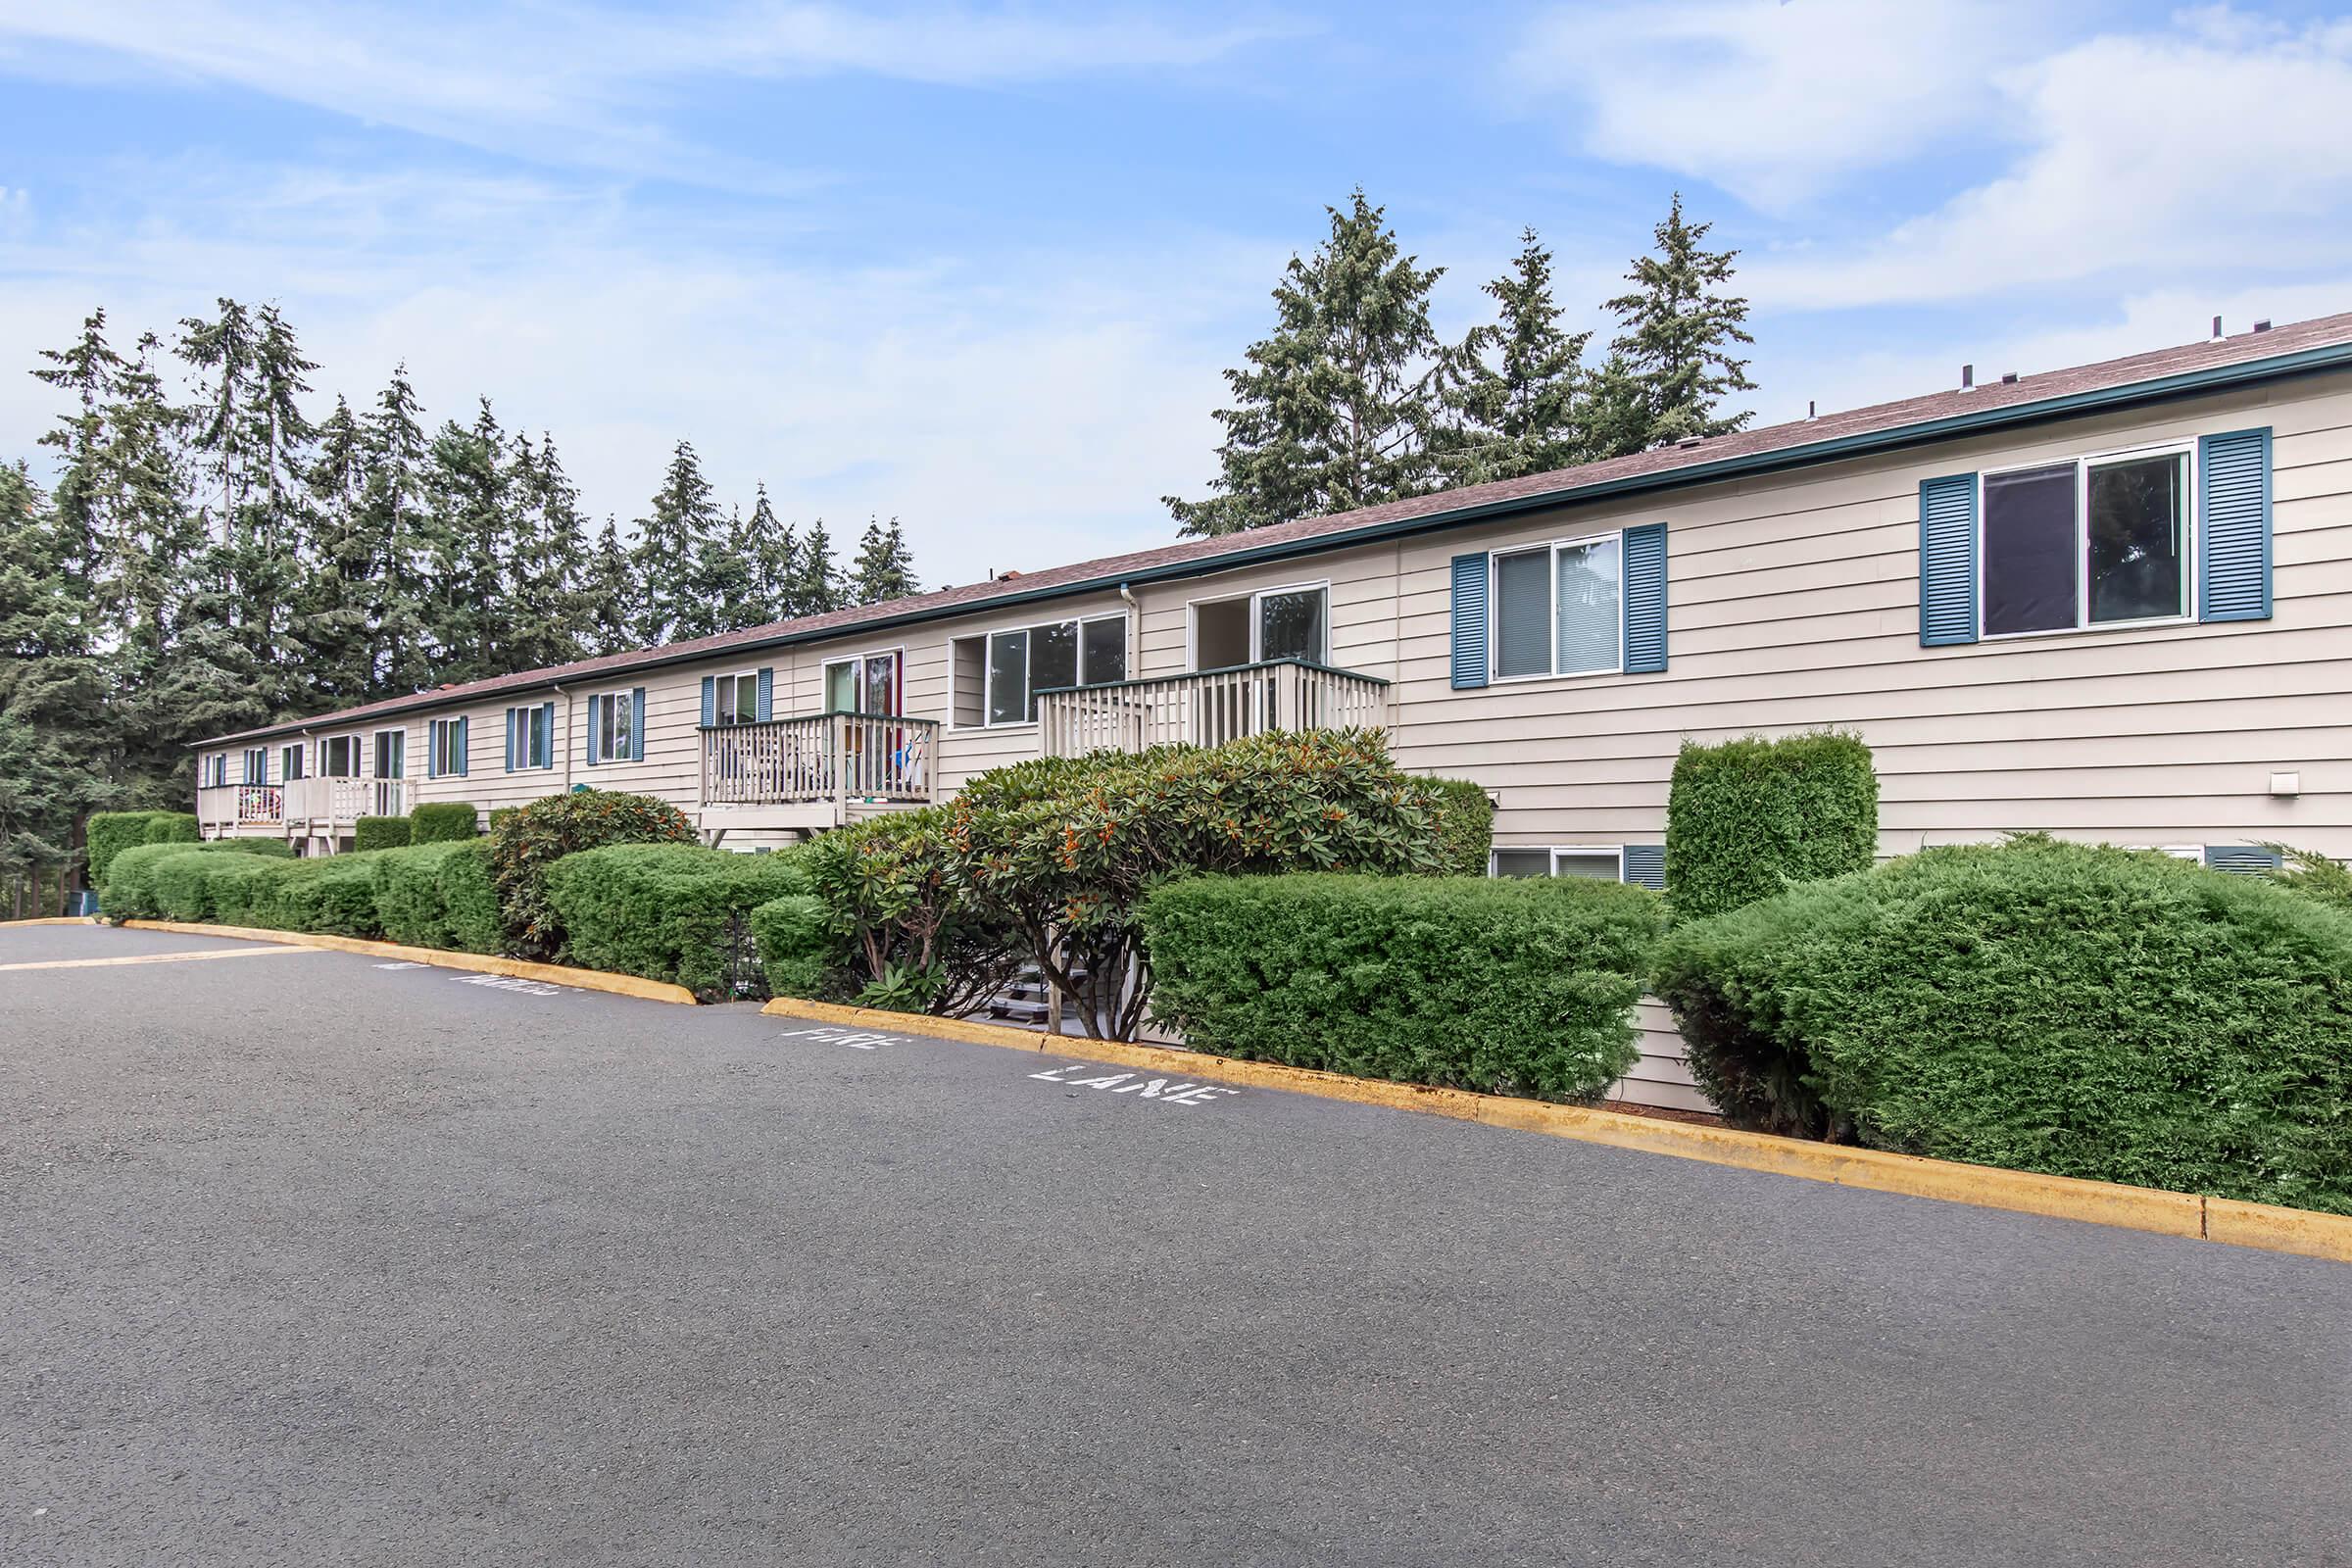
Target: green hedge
<point x="525" y="844"/>
<point x="2060" y="1008"/>
<point x="800" y="951"/>
<point x="129" y="892"/>
<point x="334" y="894"/>
<point x="1465" y="825"/>
<point x="381" y="833"/>
<point x="1515" y="987"/>
<point x="443" y="821"/>
<point x="1745" y="819"/>
<point x="664" y="911"/>
<point x="243" y="888"/>
<point x="439" y="896"/>
<point x="110" y="833"/>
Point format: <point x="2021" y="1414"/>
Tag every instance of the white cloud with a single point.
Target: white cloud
<point x="2220" y="149"/>
<point x="580" y="83"/>
<point x="1020" y="409"/>
<point x="1769" y="99"/>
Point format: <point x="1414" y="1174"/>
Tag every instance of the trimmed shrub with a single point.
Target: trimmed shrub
<point x="439" y="896"/>
<point x="129" y="893"/>
<point x="799" y="952"/>
<point x="441" y="821"/>
<point x="1465" y="825"/>
<point x="2313" y="874"/>
<point x="1062" y="850"/>
<point x="110" y="833"/>
<point x="1524" y="986"/>
<point x="543" y="832"/>
<point x="2059" y="1007"/>
<point x="381" y="833"/>
<point x="243" y="888"/>
<point x="1747" y="818"/>
<point x="666" y="911"/>
<point x="334" y="894"/>
<point x="899" y="934"/>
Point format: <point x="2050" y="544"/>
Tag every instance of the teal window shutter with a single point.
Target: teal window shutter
<point x="547" y="728"/>
<point x="2246" y="860"/>
<point x="596" y="713"/>
<point x="432" y="752"/>
<point x="1469" y="621"/>
<point x="709" y="700"/>
<point x="1646" y="866"/>
<point x="637" y="726"/>
<point x="1947" y="560"/>
<point x="1645" y="599"/>
<point x="768" y="694"/>
<point x="2233" y="506"/>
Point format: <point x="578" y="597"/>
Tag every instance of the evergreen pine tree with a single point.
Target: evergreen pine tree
<point x="672" y="545"/>
<point x="1338" y="407"/>
<point x="772" y="549"/>
<point x="813" y="585"/>
<point x="608" y="594"/>
<point x="336" y="606"/>
<point x="551" y="582"/>
<point x="883" y="569"/>
<point x="725" y="580"/>
<point x="396" y="514"/>
<point x="1677" y="334"/>
<point x="1517" y="385"/>
<point x="471" y="545"/>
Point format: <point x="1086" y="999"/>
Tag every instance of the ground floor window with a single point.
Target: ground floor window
<point x="1598" y="864"/>
<point x="391" y="754"/>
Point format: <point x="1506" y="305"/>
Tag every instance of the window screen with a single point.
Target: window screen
<point x="2139" y="524"/>
<point x="2030" y="549"/>
<point x="1592" y="596"/>
<point x="1053" y="658"/>
<point x="1007" y="677"/>
<point x="970" y="655"/>
<point x="1290" y="625"/>
<point x="1523" y="614"/>
<point x="1523" y="862"/>
<point x="1600" y="865"/>
<point x="1105" y="648"/>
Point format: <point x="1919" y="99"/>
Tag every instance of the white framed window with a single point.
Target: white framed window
<point x="391" y="754"/>
<point x="445" y="745"/>
<point x="530" y="737"/>
<point x="868" y="683"/>
<point x="339" y="756"/>
<point x="736" y="697"/>
<point x="1090" y="651"/>
<point x="1293" y="622"/>
<point x="2093" y="541"/>
<point x="1558" y="609"/>
<point x="1597" y="862"/>
<point x="257" y="764"/>
<point x="216" y="769"/>
<point x="290" y="760"/>
<point x="612" y="728"/>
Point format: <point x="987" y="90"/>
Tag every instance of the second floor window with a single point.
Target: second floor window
<point x="1021" y="663"/>
<point x="256" y="766"/>
<point x="2097" y="542"/>
<point x="1560" y="609"/>
<point x="215" y="771"/>
<point x="445" y="748"/>
<point x="339" y="756"/>
<point x="531" y="737"/>
<point x="737" y="699"/>
<point x="870" y="683"/>
<point x="391" y="754"/>
<point x="290" y="760"/>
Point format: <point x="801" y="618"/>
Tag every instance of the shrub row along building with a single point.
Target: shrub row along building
<point x="2113" y="602"/>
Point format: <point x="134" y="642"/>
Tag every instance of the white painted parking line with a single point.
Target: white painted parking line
<point x="1173" y="1092"/>
<point x="851" y="1038"/>
<point x="502" y="982"/>
<point x="404" y="965"/>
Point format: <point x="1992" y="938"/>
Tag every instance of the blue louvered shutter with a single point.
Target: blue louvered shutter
<point x="637" y="724"/>
<point x="432" y="752"/>
<point x="2234" y="504"/>
<point x="1947" y="560"/>
<point x="1469" y="621"/>
<point x="768" y="694"/>
<point x="1646" y="866"/>
<point x="2246" y="860"/>
<point x="709" y="700"/>
<point x="464" y="745"/>
<point x="1645" y="599"/>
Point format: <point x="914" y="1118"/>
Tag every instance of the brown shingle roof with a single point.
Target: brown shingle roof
<point x="2292" y="347"/>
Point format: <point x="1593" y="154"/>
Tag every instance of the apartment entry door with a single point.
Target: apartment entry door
<point x="874" y="687"/>
<point x="1245" y="630"/>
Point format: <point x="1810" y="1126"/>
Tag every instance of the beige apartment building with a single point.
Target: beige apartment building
<point x="2111" y="603"/>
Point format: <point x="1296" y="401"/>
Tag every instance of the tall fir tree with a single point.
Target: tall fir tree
<point x="883" y="568"/>
<point x="396" y="512"/>
<point x="725" y="580"/>
<point x="813" y="585"/>
<point x="338" y="599"/>
<point x="608" y="594"/>
<point x="672" y="542"/>
<point x="1516" y="390"/>
<point x="470" y="542"/>
<point x="1677" y="333"/>
<point x="1339" y="407"/>
<point x="772" y="549"/>
<point x="548" y="573"/>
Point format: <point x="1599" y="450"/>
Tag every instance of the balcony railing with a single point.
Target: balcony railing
<point x="229" y="805"/>
<point x="820" y="757"/>
<point x="345" y="800"/>
<point x="1207" y="708"/>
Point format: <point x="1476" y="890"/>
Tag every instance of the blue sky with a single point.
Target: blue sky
<point x="979" y="267"/>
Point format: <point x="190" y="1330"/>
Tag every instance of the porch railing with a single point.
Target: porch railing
<point x="820" y="757"/>
<point x="345" y="800"/>
<point x="1207" y="708"/>
<point x="240" y="805"/>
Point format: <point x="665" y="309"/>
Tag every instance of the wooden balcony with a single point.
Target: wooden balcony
<point x="1207" y="708"/>
<point x="325" y="807"/>
<point x="225" y="810"/>
<point x="817" y="770"/>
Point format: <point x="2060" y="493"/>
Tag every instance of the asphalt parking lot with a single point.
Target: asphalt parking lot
<point x="316" y="1260"/>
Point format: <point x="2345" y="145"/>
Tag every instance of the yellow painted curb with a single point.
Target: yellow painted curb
<point x="55" y="919"/>
<point x="554" y="974"/>
<point x="2140" y="1208"/>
